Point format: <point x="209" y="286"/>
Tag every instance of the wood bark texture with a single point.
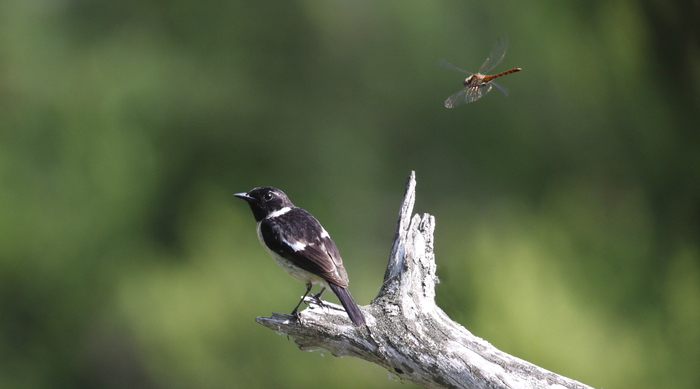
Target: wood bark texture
<point x="406" y="332"/>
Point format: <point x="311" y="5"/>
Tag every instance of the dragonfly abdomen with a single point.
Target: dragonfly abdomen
<point x="491" y="77"/>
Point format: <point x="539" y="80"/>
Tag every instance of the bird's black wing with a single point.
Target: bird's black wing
<point x="298" y="237"/>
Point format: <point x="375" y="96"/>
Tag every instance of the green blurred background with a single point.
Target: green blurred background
<point x="568" y="214"/>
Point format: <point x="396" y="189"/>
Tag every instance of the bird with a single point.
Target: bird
<point x="299" y="244"/>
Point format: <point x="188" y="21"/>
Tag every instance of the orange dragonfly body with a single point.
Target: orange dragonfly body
<point x="479" y="84"/>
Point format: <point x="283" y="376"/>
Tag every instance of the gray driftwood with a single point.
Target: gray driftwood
<point x="406" y="332"/>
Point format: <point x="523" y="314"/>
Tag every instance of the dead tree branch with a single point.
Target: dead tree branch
<point x="407" y="333"/>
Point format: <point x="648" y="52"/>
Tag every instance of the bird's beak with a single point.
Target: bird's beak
<point x="243" y="196"/>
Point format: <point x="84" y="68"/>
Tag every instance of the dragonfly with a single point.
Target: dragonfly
<point x="479" y="84"/>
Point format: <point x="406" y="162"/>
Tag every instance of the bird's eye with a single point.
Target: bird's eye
<point x="268" y="196"/>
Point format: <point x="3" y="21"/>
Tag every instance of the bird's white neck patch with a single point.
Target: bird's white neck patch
<point x="279" y="212"/>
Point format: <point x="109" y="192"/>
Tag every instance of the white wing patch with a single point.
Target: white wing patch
<point x="324" y="233"/>
<point x="296" y="246"/>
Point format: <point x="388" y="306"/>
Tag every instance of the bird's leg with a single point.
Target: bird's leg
<point x="308" y="289"/>
<point x="317" y="297"/>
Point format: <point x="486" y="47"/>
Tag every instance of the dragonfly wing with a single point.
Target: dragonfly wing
<point x="500" y="88"/>
<point x="496" y="55"/>
<point x="473" y="94"/>
<point x="467" y="95"/>
<point x="444" y="64"/>
<point x="476" y="93"/>
<point x="458" y="98"/>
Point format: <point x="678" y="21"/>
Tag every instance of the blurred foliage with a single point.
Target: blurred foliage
<point x="568" y="214"/>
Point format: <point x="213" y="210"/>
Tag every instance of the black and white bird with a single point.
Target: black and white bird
<point x="301" y="246"/>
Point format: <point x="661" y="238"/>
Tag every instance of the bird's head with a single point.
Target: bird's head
<point x="265" y="200"/>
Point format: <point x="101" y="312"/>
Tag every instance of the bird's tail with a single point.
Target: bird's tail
<point x="349" y="304"/>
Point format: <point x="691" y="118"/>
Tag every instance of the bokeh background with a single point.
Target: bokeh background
<point x="568" y="214"/>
